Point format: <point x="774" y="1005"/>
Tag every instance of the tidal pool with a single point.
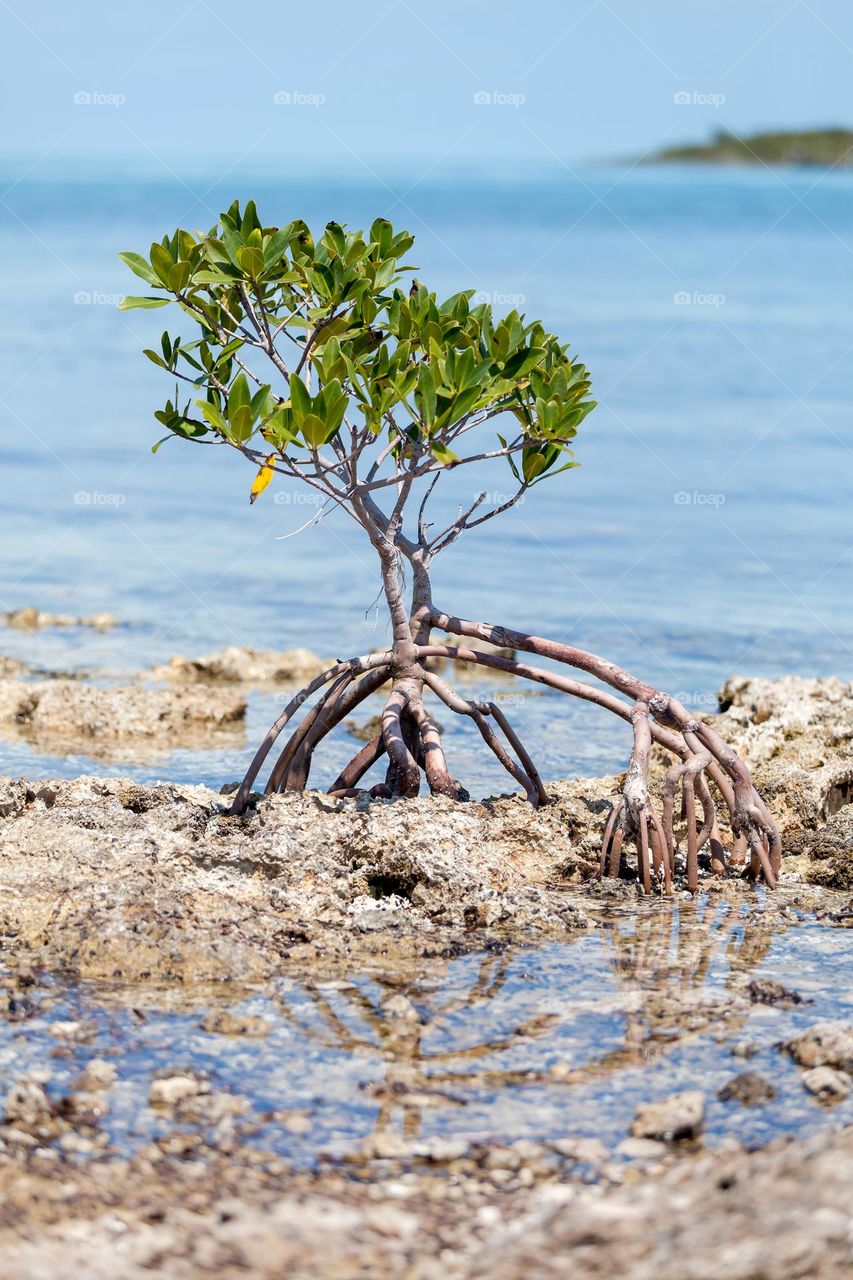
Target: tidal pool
<point x="551" y="1042"/>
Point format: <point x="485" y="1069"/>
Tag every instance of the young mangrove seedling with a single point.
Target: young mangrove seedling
<point x="329" y="363"/>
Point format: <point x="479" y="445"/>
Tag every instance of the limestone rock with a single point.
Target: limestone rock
<point x="672" y="1119"/>
<point x="238" y="665"/>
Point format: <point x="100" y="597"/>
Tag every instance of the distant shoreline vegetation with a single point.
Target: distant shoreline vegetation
<point x="824" y="148"/>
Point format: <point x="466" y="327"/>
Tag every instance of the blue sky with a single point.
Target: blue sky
<point x="183" y="84"/>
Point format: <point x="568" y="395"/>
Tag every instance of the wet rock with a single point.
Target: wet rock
<point x="797" y="736"/>
<point x="827" y="1084"/>
<point x="78" y="1032"/>
<point x="85" y="1106"/>
<point x="169" y="1091"/>
<point x="30" y="619"/>
<point x="826" y="1044"/>
<point x="229" y="1022"/>
<point x="386" y="1145"/>
<point x="672" y="1119"/>
<point x="589" y="1151"/>
<point x="641" y="1149"/>
<point x="19" y="1008"/>
<point x="363" y="730"/>
<point x="750" y="1088"/>
<point x="830" y="850"/>
<point x="776" y="1214"/>
<point x="237" y="665"/>
<point x="97" y="1075"/>
<point x="66" y="716"/>
<point x="27" y="1104"/>
<point x="767" y="991"/>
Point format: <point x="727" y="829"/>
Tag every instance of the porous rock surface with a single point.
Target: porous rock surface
<point x="108" y="878"/>
<point x="238" y="665"/>
<point x="28" y="618"/>
<point x="796" y="734"/>
<point x="66" y="715"/>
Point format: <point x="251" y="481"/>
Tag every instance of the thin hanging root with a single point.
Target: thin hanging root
<point x="689" y="775"/>
<point x="526" y="773"/>
<point x="521" y="751"/>
<point x="751" y="820"/>
<point x="634" y="818"/>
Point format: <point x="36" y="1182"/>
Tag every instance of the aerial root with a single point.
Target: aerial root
<point x="633" y="817"/>
<point x="754" y="831"/>
<point x="524" y="772"/>
<point x="412" y="741"/>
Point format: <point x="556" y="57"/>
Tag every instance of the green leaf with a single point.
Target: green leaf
<point x="425" y="393"/>
<point x="240" y="395"/>
<point x="162" y="262"/>
<point x="533" y="463"/>
<point x="299" y="396"/>
<point x="241" y="421"/>
<point x="213" y="415"/>
<point x="140" y="267"/>
<point x="178" y="276"/>
<point x="162" y="440"/>
<point x="132" y="304"/>
<point x="251" y="260"/>
<point x="442" y="454"/>
<point x="313" y="429"/>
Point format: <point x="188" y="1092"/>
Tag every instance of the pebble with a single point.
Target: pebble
<point x="826" y="1044"/>
<point x="827" y="1084"/>
<point x="749" y="1088"/>
<point x="98" y="1074"/>
<point x="641" y="1149"/>
<point x="671" y="1119"/>
<point x="226" y="1022"/>
<point x="170" y="1090"/>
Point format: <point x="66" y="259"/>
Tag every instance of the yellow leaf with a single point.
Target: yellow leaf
<point x="262" y="479"/>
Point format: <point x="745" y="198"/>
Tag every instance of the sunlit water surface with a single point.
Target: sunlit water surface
<point x="560" y="1041"/>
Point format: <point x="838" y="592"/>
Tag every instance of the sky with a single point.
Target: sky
<point x="177" y="85"/>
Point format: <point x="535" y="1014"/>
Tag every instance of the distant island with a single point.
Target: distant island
<point x="813" y="147"/>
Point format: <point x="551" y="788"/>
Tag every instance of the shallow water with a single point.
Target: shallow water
<point x="558" y="1041"/>
<point x="741" y="406"/>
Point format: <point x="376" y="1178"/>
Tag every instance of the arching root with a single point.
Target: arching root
<point x="753" y="828"/>
<point x="412" y="741"/>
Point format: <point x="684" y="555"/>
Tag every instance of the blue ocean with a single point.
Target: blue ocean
<point x="706" y="532"/>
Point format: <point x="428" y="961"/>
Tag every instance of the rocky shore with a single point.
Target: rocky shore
<point x="150" y="888"/>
